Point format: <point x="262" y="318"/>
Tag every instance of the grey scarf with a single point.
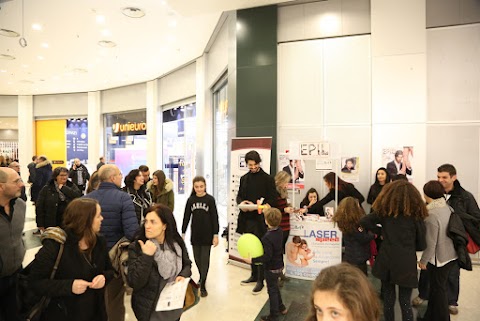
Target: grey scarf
<point x="61" y="196"/>
<point x="169" y="264"/>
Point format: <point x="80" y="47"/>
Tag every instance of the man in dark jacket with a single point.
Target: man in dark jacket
<point x="43" y="173"/>
<point x="79" y="175"/>
<point x="255" y="186"/>
<point x="119" y="219"/>
<point x="12" y="251"/>
<point x="31" y="169"/>
<point x="462" y="202"/>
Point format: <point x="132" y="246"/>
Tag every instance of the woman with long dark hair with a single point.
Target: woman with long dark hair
<point x="157" y="257"/>
<point x="400" y="210"/>
<point x="141" y="198"/>
<point x="77" y="291"/>
<point x="382" y="177"/>
<point x="343" y="190"/>
<point x="161" y="189"/>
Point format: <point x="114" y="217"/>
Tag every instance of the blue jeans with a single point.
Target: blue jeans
<point x="274" y="296"/>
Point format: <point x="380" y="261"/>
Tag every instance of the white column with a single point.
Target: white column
<point x="399" y="80"/>
<point x="204" y="121"/>
<point x="95" y="130"/>
<point x="154" y="128"/>
<point x="26" y="133"/>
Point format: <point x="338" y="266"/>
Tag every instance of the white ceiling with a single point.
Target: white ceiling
<point x="172" y="33"/>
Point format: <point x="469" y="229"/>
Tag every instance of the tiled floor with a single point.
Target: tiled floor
<point x="228" y="301"/>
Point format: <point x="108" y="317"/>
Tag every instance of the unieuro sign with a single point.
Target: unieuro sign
<point x="129" y="129"/>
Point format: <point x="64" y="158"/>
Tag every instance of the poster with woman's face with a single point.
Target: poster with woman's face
<point x="350" y="171"/>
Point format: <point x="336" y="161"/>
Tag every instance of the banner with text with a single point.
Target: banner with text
<point x="77" y="140"/>
<point x="238" y="168"/>
<point x="314" y="243"/>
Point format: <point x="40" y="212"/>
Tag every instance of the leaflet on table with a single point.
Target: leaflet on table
<point x="172" y="296"/>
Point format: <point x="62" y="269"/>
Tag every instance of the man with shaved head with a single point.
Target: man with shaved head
<point x="12" y="250"/>
<point x="16" y="167"/>
<point x="79" y="175"/>
<point x="119" y="220"/>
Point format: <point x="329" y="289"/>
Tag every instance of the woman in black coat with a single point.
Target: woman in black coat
<point x="77" y="291"/>
<point x="137" y="190"/>
<point x="54" y="198"/>
<point x="382" y="177"/>
<point x="400" y="210"/>
<point x="344" y="189"/>
<point x="157" y="257"/>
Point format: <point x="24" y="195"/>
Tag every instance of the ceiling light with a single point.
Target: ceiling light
<point x="9" y="33"/>
<point x="45" y="45"/>
<point x="80" y="71"/>
<point x="100" y="19"/>
<point x="133" y="12"/>
<point x="37" y="26"/>
<point x="6" y="57"/>
<point x="106" y="33"/>
<point x="3" y="70"/>
<point x="40" y="57"/>
<point x="25" y="66"/>
<point x="164" y="2"/>
<point x="172" y="23"/>
<point x="107" y="44"/>
<point x="26" y="81"/>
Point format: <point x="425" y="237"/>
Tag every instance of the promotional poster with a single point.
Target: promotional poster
<point x="238" y="168"/>
<point x="314" y="243"/>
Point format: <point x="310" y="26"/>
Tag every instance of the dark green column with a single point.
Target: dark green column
<point x="256" y="110"/>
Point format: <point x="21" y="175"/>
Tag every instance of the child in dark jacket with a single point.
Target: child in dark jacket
<point x="201" y="208"/>
<point x="272" y="259"/>
<point x="355" y="240"/>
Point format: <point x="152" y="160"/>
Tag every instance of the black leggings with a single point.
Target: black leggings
<point x="201" y="253"/>
<point x="389" y="298"/>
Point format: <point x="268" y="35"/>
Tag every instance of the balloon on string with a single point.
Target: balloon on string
<point x="249" y="245"/>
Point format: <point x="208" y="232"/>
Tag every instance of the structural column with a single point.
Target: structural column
<point x="399" y="80"/>
<point x="26" y="133"/>
<point x="154" y="127"/>
<point x="95" y="130"/>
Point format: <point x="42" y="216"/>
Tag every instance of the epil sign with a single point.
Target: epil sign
<point x="314" y="150"/>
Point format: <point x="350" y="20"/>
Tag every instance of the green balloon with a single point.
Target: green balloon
<point x="249" y="245"/>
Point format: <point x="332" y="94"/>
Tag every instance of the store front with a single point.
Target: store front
<point x="126" y="139"/>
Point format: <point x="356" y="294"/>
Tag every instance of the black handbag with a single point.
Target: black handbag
<point x="30" y="305"/>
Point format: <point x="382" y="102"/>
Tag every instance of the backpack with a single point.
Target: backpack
<point x="119" y="257"/>
<point x="31" y="305"/>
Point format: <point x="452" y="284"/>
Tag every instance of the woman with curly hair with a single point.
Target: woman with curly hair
<point x="343" y="293"/>
<point x="401" y="212"/>
<point x="355" y="239"/>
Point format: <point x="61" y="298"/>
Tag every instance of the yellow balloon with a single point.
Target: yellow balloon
<point x="249" y="245"/>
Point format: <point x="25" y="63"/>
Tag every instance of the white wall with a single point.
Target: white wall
<point x="61" y="105"/>
<point x="323" y="19"/>
<point x="124" y="98"/>
<point x="453" y="118"/>
<point x="8" y="106"/>
<point x="217" y="56"/>
<point x="178" y="85"/>
<point x="324" y="93"/>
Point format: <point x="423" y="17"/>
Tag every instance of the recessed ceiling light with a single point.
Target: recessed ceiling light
<point x="133" y="12"/>
<point x="40" y="57"/>
<point x="172" y="23"/>
<point x="45" y="45"/>
<point x="25" y="66"/>
<point x="107" y="44"/>
<point x="100" y="19"/>
<point x="80" y="71"/>
<point x="9" y="33"/>
<point x="37" y="26"/>
<point x="106" y="33"/>
<point x="6" y="57"/>
<point x="26" y="81"/>
<point x="3" y="70"/>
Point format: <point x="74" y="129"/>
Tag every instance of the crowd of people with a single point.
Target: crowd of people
<point x="95" y="214"/>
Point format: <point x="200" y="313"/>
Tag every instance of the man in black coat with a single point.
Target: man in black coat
<point x="79" y="175"/>
<point x="462" y="202"/>
<point x="254" y="186"/>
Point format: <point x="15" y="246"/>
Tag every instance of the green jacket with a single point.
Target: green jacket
<point x="166" y="197"/>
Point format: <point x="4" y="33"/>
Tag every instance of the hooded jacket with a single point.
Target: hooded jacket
<point x="166" y="196"/>
<point x="43" y="173"/>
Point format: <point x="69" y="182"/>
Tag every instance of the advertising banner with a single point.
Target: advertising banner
<point x="314" y="243"/>
<point x="238" y="168"/>
<point x="77" y="139"/>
